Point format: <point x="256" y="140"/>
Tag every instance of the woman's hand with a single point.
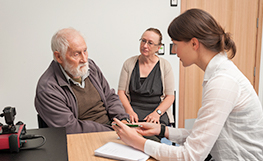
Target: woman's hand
<point x="153" y="117"/>
<point x="129" y="135"/>
<point x="133" y="116"/>
<point x="127" y="106"/>
<point x="149" y="129"/>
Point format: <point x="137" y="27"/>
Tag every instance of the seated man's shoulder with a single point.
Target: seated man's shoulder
<point x="91" y="63"/>
<point x="50" y="78"/>
<point x="93" y="67"/>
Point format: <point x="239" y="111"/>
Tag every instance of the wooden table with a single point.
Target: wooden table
<point x="81" y="147"/>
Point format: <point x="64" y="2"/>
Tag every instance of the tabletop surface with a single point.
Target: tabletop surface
<point x="62" y="147"/>
<point x="81" y="147"/>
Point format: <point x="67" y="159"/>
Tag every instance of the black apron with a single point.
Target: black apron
<point x="145" y="93"/>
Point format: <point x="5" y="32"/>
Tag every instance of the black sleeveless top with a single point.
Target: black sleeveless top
<point x="145" y="93"/>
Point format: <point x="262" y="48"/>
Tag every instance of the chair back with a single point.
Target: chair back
<point x="41" y="122"/>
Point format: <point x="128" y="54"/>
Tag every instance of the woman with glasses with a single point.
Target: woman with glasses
<point x="229" y="124"/>
<point x="146" y="84"/>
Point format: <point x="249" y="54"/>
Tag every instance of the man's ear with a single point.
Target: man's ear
<point x="195" y="43"/>
<point x="58" y="57"/>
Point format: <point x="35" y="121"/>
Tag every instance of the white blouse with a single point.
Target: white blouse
<point x="229" y="124"/>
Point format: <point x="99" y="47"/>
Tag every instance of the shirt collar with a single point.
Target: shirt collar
<point x="213" y="65"/>
<point x="69" y="79"/>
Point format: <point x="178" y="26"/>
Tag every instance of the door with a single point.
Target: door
<point x="243" y="19"/>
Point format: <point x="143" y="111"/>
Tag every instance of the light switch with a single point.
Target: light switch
<point x="174" y="2"/>
<point x="171" y="46"/>
<point x="161" y="50"/>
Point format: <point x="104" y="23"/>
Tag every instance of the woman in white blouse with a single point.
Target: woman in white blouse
<point x="229" y="124"/>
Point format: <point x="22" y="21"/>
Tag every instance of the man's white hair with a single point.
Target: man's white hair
<point x="59" y="41"/>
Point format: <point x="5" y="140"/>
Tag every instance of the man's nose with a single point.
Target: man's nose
<point x="84" y="57"/>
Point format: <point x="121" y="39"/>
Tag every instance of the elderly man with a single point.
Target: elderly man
<point x="73" y="92"/>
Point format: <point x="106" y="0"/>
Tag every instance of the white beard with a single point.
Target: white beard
<point x="80" y="71"/>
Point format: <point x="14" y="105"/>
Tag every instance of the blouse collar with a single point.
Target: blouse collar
<point x="214" y="64"/>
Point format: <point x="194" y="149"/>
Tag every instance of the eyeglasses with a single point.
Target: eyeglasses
<point x="143" y="41"/>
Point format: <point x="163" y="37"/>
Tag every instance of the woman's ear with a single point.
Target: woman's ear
<point x="195" y="43"/>
<point x="58" y="57"/>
